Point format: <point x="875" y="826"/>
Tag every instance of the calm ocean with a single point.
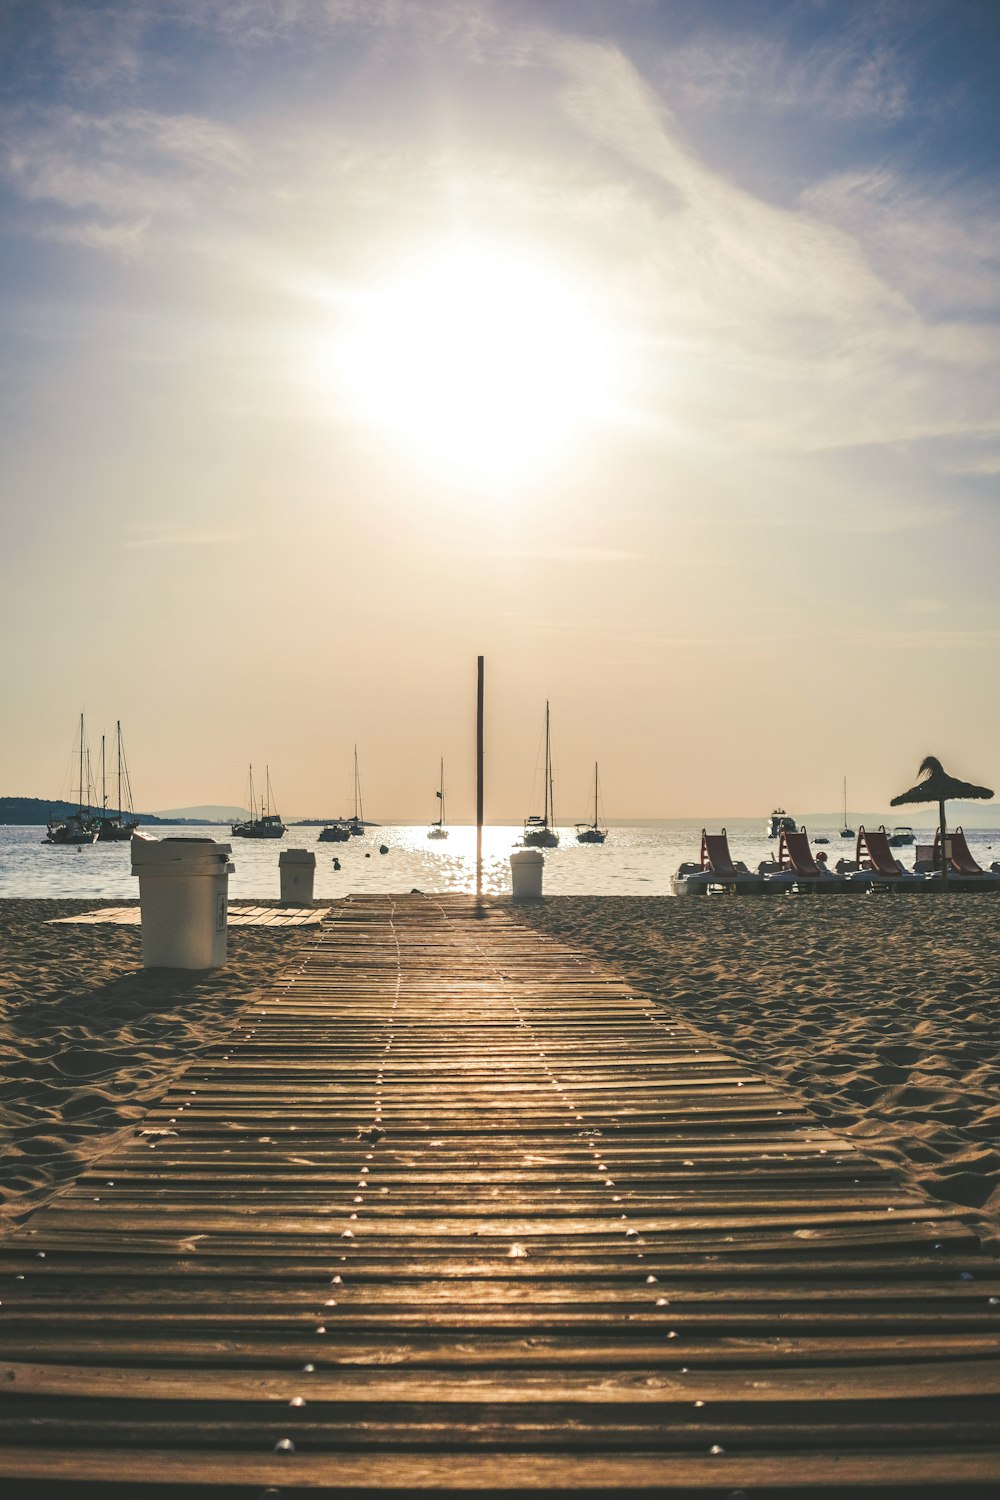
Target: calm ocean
<point x="637" y="860"/>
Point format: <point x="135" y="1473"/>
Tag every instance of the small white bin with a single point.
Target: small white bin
<point x="183" y="893"/>
<point x="526" y="867"/>
<point x="298" y="872"/>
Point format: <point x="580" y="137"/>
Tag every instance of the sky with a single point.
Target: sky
<point x="648" y="348"/>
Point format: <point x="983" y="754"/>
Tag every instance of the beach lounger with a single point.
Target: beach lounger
<point x="716" y="870"/>
<point x="878" y="867"/>
<point x="808" y="872"/>
<point x="971" y="875"/>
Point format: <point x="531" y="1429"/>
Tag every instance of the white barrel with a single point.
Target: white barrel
<point x="526" y="867"/>
<point x="183" y="895"/>
<point x="298" y="873"/>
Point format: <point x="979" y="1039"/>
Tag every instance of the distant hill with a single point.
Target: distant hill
<point x="201" y="814"/>
<point x="36" y="811"/>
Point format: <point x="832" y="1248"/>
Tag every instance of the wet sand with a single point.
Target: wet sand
<point x="881" y="1012"/>
<point x="88" y="1039"/>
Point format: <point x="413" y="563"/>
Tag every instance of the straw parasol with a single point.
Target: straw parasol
<point x="937" y="786"/>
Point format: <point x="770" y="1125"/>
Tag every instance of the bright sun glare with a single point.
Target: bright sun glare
<point x="485" y="362"/>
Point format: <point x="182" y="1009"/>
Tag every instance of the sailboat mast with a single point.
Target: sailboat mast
<point x="595" y="793"/>
<point x="104" y="789"/>
<point x="358" y="808"/>
<point x="441" y="797"/>
<point x="81" y="762"/>
<point x="118" y="741"/>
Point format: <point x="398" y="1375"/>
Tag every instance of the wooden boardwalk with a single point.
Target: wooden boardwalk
<point x="238" y="916"/>
<point x="454" y="1208"/>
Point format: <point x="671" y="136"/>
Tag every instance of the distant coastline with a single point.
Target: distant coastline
<point x="37" y="811"/>
<point x="33" y="812"/>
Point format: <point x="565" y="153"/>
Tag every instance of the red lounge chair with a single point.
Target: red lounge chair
<point x="795" y="856"/>
<point x="715" y="855"/>
<point x="715" y="868"/>
<point x="795" y="851"/>
<point x="876" y="859"/>
<point x="959" y="853"/>
<point x="960" y="857"/>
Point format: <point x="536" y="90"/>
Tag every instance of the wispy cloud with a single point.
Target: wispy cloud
<point x="799" y="338"/>
<point x="853" y="73"/>
<point x="154" y="535"/>
<point x="129" y="166"/>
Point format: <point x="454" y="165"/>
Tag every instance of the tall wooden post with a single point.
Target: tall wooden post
<point x="943" y="835"/>
<point x="479" y="779"/>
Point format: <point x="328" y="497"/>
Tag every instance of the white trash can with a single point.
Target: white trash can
<point x="183" y="893"/>
<point x="298" y="872"/>
<point x="526" y="867"/>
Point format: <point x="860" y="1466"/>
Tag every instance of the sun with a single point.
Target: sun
<point x="486" y="361"/>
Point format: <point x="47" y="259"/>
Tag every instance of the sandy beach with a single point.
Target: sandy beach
<point x="88" y="1040"/>
<point x="883" y="1014"/>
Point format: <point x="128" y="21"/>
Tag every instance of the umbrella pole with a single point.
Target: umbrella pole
<point x="944" y="850"/>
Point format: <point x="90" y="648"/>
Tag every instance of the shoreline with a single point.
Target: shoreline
<point x="882" y="1015"/>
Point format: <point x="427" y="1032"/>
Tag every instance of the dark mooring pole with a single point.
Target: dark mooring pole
<point x="479" y="779"/>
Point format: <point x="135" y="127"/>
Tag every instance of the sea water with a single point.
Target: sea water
<point x="636" y="860"/>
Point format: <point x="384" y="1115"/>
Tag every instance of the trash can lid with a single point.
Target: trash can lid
<point x="528" y="857"/>
<point x="296" y="857"/>
<point x="177" y="854"/>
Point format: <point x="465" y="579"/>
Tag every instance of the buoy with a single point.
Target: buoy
<point x="336" y="864"/>
<point x="383" y="848"/>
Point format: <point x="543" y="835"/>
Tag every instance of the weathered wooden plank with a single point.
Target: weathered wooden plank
<point x="900" y="1469"/>
<point x="877" y="1383"/>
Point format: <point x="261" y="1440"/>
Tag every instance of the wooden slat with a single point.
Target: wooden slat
<point x="455" y="1207"/>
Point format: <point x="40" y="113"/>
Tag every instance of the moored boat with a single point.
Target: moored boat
<point x="356" y="823"/>
<point x="336" y="832"/>
<point x="438" y="830"/>
<point x="262" y="824"/>
<point x="716" y="870"/>
<point x="780" y="821"/>
<point x="118" y="826"/>
<point x="81" y="826"/>
<point x="592" y="833"/>
<point x="847" y="832"/>
<point x="539" y="832"/>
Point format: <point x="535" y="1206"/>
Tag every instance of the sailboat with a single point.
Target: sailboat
<point x="591" y="833"/>
<point x="80" y="827"/>
<point x="538" y="830"/>
<point x="120" y="825"/>
<point x="266" y="824"/>
<point x="356" y="824"/>
<point x="438" y="830"/>
<point x="846" y="832"/>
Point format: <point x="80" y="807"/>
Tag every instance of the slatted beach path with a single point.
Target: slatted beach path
<point x="237" y="916"/>
<point x="455" y="1208"/>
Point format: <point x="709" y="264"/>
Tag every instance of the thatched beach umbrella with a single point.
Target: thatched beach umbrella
<point x="937" y="786"/>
